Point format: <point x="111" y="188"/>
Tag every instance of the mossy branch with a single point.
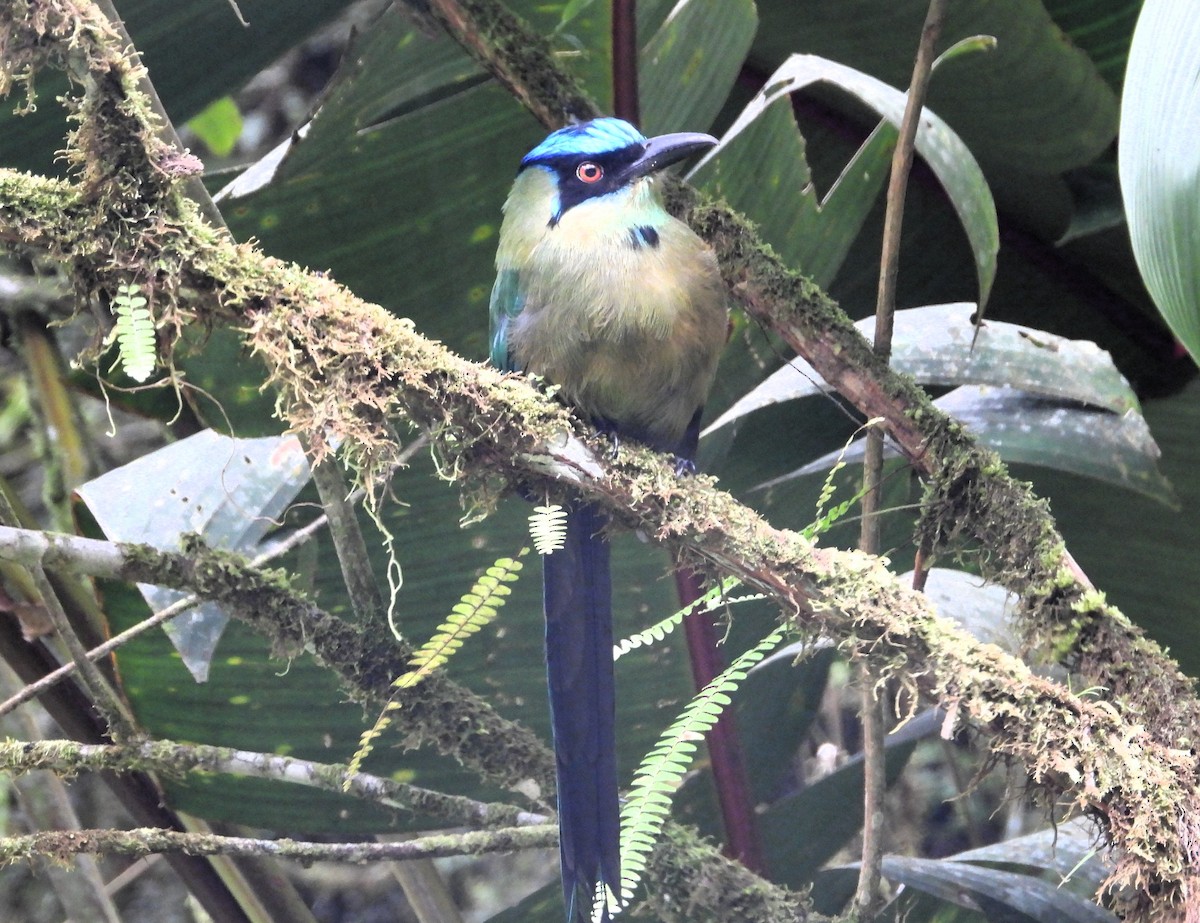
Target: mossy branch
<point x="146" y="841"/>
<point x="438" y="712"/>
<point x="346" y="367"/>
<point x="68" y="757"/>
<point x="970" y="499"/>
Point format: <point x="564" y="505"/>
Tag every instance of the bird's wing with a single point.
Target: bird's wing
<point x="507" y="302"/>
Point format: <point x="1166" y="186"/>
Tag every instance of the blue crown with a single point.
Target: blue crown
<point x="599" y="136"/>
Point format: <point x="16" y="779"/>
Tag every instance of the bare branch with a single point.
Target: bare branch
<point x="348" y="368"/>
<point x="163" y="756"/>
<point x="161" y="617"/>
<point x="970" y="498"/>
<point x="145" y="841"/>
<point x="503" y="751"/>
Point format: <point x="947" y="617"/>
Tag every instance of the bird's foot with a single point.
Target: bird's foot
<point x="608" y="429"/>
<point x="684" y="467"/>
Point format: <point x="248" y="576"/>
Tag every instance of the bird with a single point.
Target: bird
<point x="621" y="307"/>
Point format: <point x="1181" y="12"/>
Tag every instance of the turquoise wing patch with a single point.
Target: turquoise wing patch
<point x="507" y="302"/>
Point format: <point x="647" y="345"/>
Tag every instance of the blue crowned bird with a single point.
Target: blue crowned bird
<point x="621" y="306"/>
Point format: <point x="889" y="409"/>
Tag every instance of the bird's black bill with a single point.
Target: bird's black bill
<point x="665" y="150"/>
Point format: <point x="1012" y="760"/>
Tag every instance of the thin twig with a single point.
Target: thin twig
<point x="104" y="697"/>
<point x="902" y="159"/>
<point x="849" y="596"/>
<point x="827" y="590"/>
<point x="47" y="806"/>
<point x="867" y="897"/>
<point x="161" y="617"/>
<point x="502" y="750"/>
<point x="348" y="541"/>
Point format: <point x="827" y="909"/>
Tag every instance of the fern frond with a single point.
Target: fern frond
<point x="473" y="611"/>
<point x="649" y="802"/>
<point x="136" y="347"/>
<point x="366" y="743"/>
<point x="710" y="601"/>
<point x="548" y="528"/>
<point x="827" y="491"/>
<point x="826" y="518"/>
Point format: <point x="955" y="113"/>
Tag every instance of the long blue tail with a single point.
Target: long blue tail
<point x="579" y="666"/>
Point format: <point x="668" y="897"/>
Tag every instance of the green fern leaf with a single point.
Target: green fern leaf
<point x="473" y="611"/>
<point x="826" y="518"/>
<point x="136" y="347"/>
<point x="366" y="743"/>
<point x="548" y="528"/>
<point x="648" y="805"/>
<point x="710" y="601"/>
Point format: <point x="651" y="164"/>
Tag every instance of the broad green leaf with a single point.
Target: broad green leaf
<point x="1160" y="161"/>
<point x="773" y="711"/>
<point x="397" y="183"/>
<point x="1114" y="448"/>
<point x="230" y="491"/>
<point x="983" y="609"/>
<point x="544" y="905"/>
<point x="1037" y="104"/>
<point x="192" y="48"/>
<point x="760" y="168"/>
<point x="1140" y="554"/>
<point x="1066" y="855"/>
<point x="937" y="345"/>
<point x="226" y="383"/>
<point x="804" y="830"/>
<point x="572" y="10"/>
<point x="937" y="144"/>
<point x="690" y="64"/>
<point x="405" y="212"/>
<point x="583" y="45"/>
<point x="218" y="125"/>
<point x="1062" y="860"/>
<point x="261" y="700"/>
<point x="396" y="186"/>
<point x="1103" y="30"/>
<point x="1002" y="895"/>
<point x="1096" y="195"/>
<point x="196" y="52"/>
<point x="256" y="700"/>
<point x="1021" y="428"/>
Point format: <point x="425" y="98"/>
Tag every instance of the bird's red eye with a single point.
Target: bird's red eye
<point x="589" y="172"/>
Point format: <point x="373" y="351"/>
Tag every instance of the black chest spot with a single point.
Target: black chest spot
<point x="643" y="236"/>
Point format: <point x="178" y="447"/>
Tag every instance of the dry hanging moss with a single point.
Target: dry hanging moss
<point x="346" y="368"/>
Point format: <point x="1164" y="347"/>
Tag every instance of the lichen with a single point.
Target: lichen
<point x="347" y="368"/>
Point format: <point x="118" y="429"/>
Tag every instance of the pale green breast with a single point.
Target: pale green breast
<point x="622" y="308"/>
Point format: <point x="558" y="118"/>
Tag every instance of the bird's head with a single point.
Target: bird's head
<point x="603" y="157"/>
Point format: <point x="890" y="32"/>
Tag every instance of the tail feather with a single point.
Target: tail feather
<point x="579" y="665"/>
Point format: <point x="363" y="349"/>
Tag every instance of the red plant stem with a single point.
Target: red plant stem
<point x="625" y="60"/>
<point x="724" y="747"/>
